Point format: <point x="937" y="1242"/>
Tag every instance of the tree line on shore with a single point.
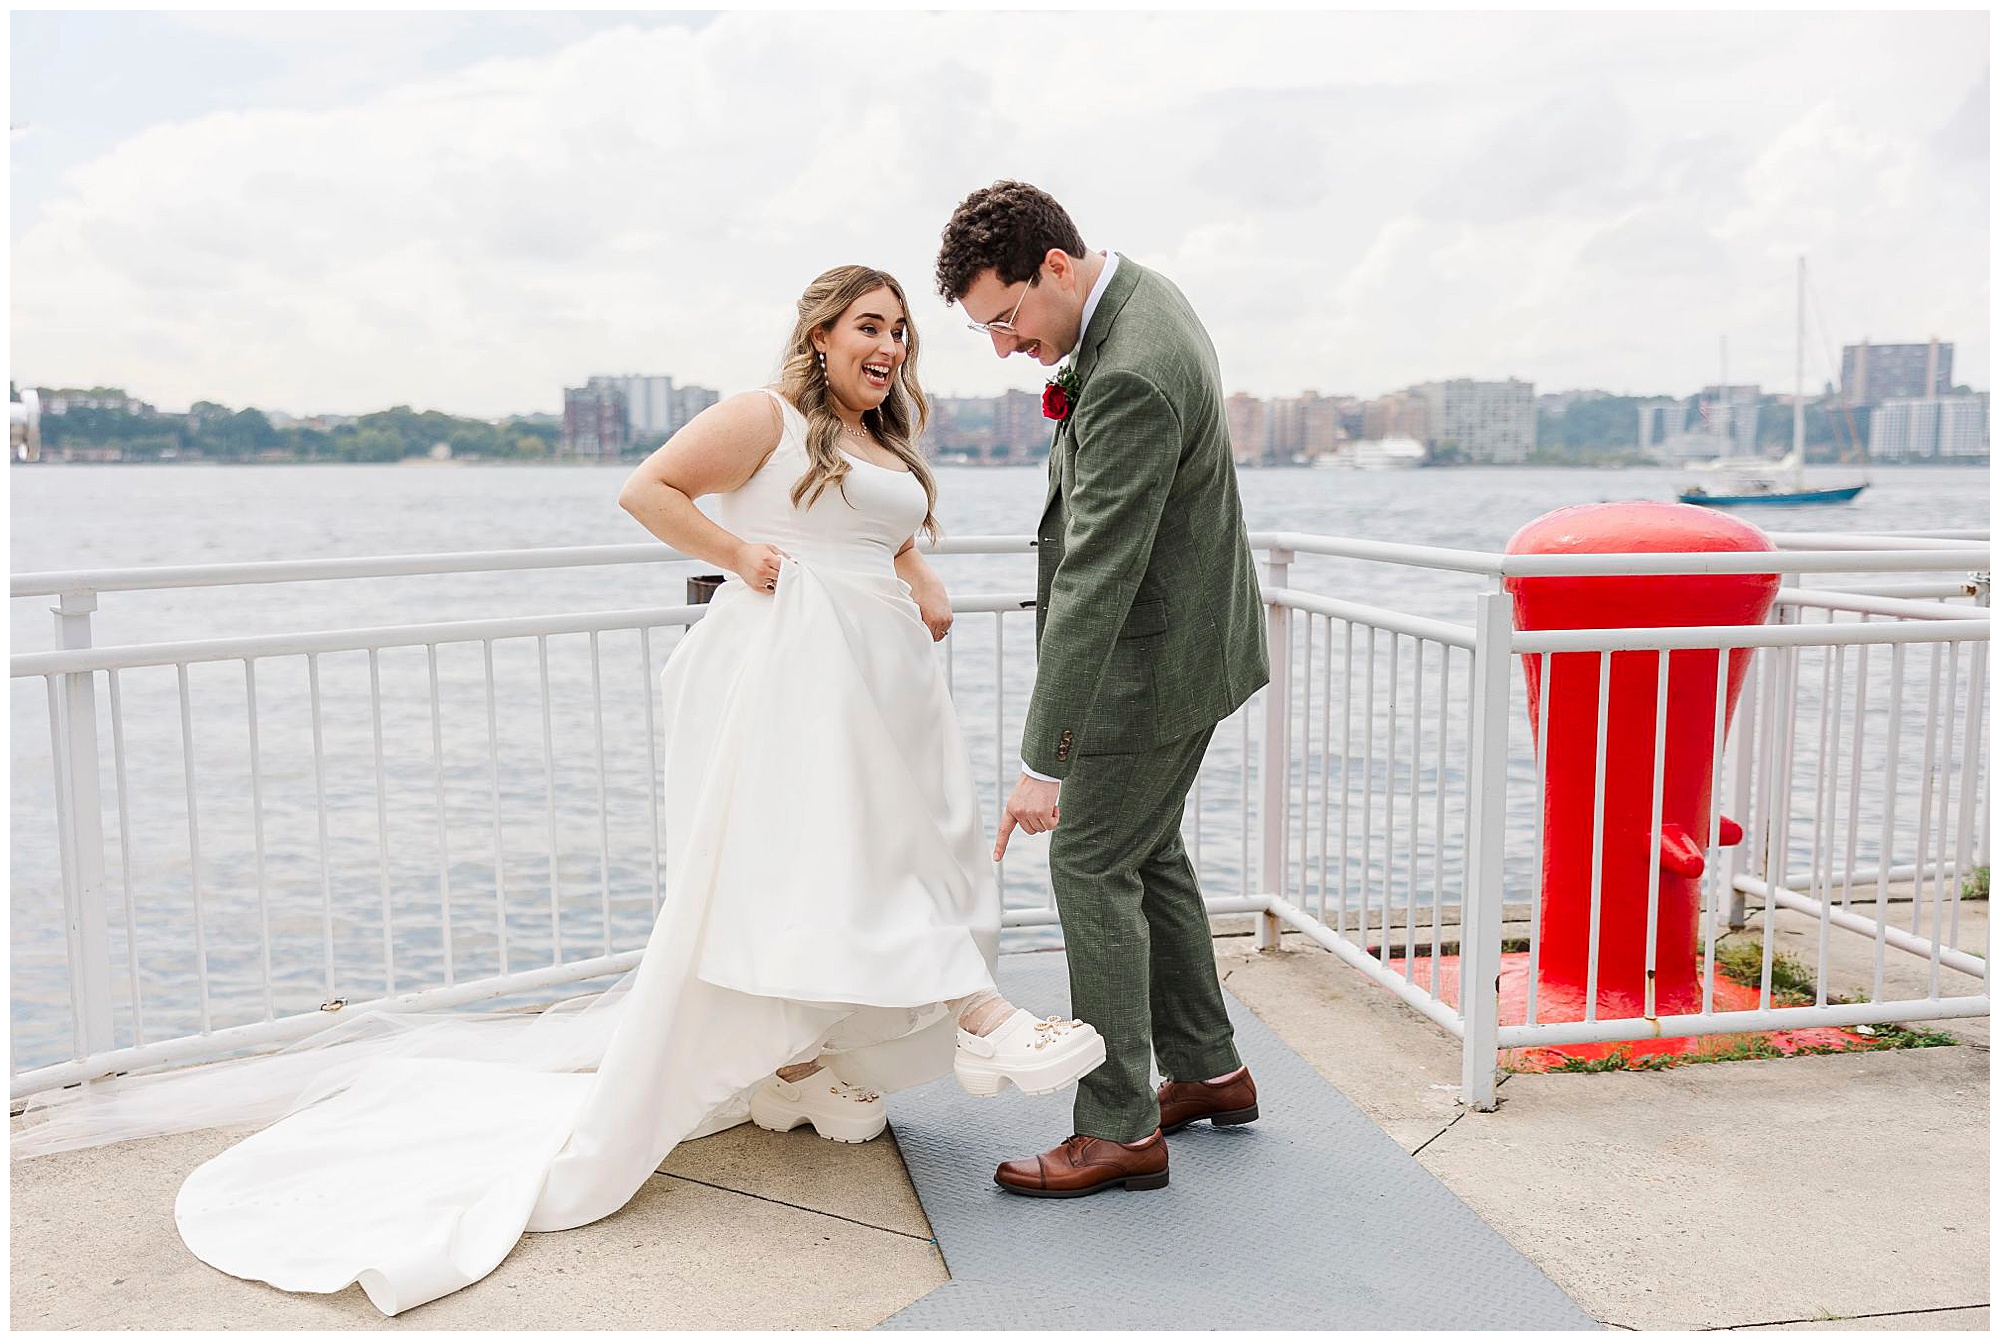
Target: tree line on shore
<point x="216" y="432"/>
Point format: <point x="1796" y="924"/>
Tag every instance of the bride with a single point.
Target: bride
<point x="830" y="922"/>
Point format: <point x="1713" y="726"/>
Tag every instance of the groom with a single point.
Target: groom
<point x="1150" y="631"/>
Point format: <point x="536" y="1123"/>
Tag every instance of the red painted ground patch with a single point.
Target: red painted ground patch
<point x="1440" y="977"/>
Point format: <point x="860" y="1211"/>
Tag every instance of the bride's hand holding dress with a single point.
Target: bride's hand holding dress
<point x="926" y="589"/>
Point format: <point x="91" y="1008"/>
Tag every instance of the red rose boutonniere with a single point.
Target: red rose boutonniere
<point x="1059" y="396"/>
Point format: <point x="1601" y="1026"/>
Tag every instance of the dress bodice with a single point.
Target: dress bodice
<point x="858" y="524"/>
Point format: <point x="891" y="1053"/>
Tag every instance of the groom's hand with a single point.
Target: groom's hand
<point x="1032" y="809"/>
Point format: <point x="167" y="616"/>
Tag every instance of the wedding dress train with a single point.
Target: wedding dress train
<point x="828" y="888"/>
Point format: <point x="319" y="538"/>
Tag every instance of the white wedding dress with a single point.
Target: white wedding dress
<point x="828" y="885"/>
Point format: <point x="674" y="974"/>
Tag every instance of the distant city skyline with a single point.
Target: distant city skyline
<point x="1455" y="422"/>
<point x="680" y="413"/>
<point x="498" y="205"/>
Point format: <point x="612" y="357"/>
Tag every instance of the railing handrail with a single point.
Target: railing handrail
<point x="1416" y="626"/>
<point x="1935" y="533"/>
<point x="410" y="565"/>
<point x="1831" y="598"/>
<point x="130" y="656"/>
<point x="1918" y="555"/>
<point x="1379" y="551"/>
<point x="318" y="641"/>
<point x="1933" y="626"/>
<point x="1697" y="636"/>
<point x="1875" y="539"/>
<point x="1915" y="591"/>
<point x="1753" y="561"/>
<point x="1857" y="554"/>
<point x="324" y="570"/>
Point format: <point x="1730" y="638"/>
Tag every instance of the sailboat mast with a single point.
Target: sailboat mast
<point x="1799" y="399"/>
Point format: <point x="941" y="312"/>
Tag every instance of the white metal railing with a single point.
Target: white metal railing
<point x="177" y="1006"/>
<point x="1448" y="791"/>
<point x="71" y="678"/>
<point x="1395" y="816"/>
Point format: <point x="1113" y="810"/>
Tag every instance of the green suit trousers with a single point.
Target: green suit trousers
<point x="1141" y="963"/>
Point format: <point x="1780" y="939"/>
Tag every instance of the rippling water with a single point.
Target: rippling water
<point x="430" y="825"/>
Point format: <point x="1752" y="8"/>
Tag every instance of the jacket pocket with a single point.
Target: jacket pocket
<point x="1125" y="713"/>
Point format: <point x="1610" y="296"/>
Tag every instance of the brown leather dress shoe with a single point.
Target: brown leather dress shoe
<point x="1225" y="1102"/>
<point x="1082" y="1165"/>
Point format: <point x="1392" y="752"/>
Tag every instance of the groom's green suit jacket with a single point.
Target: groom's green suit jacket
<point x="1148" y="620"/>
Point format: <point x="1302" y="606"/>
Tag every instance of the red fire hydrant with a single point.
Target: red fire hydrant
<point x="1570" y="761"/>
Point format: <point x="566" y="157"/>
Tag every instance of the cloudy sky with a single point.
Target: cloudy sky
<point x="328" y="213"/>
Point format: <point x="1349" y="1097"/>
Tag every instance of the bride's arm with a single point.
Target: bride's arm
<point x="715" y="452"/>
<point x="926" y="588"/>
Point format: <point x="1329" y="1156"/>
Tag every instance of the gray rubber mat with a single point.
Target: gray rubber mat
<point x="1310" y="1217"/>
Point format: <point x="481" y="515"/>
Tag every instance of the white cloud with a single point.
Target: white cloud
<point x="1353" y="202"/>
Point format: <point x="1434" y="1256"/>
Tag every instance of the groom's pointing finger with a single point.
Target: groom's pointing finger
<point x="1006" y="828"/>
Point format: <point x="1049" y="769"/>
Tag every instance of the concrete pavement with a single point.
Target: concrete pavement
<point x="745" y="1229"/>
<point x="1781" y="1193"/>
<point x="1846" y="1192"/>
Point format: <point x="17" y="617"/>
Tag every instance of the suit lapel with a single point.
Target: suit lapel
<point x="1055" y="473"/>
<point x="1116" y="294"/>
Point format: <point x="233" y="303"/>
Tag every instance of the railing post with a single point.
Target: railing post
<point x="1275" y="869"/>
<point x="1982" y="596"/>
<point x="1741" y="751"/>
<point x="1773" y="708"/>
<point x="1783" y="740"/>
<point x="84" y="913"/>
<point x="1486" y="851"/>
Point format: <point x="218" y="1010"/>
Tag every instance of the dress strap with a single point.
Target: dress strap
<point x="791" y="416"/>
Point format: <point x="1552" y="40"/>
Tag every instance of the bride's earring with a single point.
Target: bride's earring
<point x="822" y="363"/>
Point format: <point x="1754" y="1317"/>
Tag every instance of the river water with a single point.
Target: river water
<point x="394" y="848"/>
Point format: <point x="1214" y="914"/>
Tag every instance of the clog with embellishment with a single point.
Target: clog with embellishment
<point x="838" y="1111"/>
<point x="1038" y="1056"/>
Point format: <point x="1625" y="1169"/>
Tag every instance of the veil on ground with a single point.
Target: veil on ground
<point x="256" y="1090"/>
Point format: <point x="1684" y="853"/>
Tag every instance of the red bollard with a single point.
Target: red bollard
<point x="1569" y="795"/>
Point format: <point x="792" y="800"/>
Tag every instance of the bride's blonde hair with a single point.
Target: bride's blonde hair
<point x="898" y="422"/>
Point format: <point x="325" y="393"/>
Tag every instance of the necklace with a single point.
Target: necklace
<point x="860" y="433"/>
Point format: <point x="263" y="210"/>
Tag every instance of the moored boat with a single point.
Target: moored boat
<point x="1756" y="482"/>
<point x="1779" y="483"/>
<point x="1801" y="498"/>
<point x="1376" y="454"/>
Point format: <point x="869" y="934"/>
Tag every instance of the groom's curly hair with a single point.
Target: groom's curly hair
<point x="1007" y="227"/>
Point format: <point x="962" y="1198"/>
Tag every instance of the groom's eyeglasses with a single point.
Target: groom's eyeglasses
<point x="1005" y="325"/>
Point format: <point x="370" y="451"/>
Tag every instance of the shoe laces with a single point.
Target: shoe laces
<point x="1074" y="1146"/>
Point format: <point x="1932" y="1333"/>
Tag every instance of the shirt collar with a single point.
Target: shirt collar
<point x="1096" y="293"/>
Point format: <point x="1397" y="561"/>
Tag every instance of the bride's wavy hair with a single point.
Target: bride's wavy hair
<point x="898" y="421"/>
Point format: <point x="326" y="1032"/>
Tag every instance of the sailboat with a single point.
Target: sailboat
<point x="1780" y="483"/>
